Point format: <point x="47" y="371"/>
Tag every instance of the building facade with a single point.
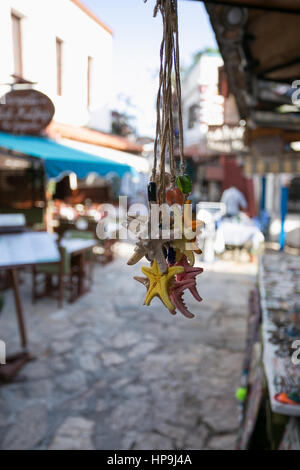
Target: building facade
<point x="208" y="110"/>
<point x="202" y="104"/>
<point x="66" y="51"/>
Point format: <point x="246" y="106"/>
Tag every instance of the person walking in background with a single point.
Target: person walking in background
<point x="234" y="200"/>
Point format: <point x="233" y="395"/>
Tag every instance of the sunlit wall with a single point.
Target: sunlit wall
<point x="42" y="22"/>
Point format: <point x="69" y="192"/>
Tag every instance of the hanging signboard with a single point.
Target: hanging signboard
<point x="226" y="139"/>
<point x="25" y="112"/>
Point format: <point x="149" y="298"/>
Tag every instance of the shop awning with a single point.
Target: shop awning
<point x="59" y="159"/>
<point x="140" y="164"/>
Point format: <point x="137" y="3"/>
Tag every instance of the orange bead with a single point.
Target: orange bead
<point x="174" y="196"/>
<point x="283" y="398"/>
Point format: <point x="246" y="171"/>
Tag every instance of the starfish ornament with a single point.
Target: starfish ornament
<point x="176" y="295"/>
<point x="153" y="250"/>
<point x="143" y="280"/>
<point x="159" y="283"/>
<point x="184" y="280"/>
<point x="150" y="248"/>
<point x="176" y="292"/>
<point x="189" y="274"/>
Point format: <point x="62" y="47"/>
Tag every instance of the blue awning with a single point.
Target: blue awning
<point x="59" y="159"/>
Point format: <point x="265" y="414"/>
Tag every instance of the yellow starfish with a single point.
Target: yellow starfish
<point x="159" y="283"/>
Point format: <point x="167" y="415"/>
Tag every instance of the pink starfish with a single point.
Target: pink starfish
<point x="189" y="274"/>
<point x="176" y="296"/>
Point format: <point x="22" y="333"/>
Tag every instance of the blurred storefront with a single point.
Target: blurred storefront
<point x="213" y="135"/>
<point x="257" y="42"/>
<point x="55" y="168"/>
<point x="226" y="145"/>
<point x="261" y="69"/>
<point x="62" y="133"/>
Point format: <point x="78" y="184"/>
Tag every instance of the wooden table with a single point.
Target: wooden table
<point x="79" y="247"/>
<point x="20" y="250"/>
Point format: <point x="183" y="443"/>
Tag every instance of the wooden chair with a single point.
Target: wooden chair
<point x="66" y="272"/>
<point x="45" y="273"/>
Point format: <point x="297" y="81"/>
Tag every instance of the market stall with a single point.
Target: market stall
<point x="277" y="392"/>
<point x="80" y="178"/>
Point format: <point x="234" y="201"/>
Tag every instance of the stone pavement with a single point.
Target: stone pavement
<point x="112" y="374"/>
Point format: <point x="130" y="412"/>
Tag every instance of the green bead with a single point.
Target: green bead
<point x="241" y="394"/>
<point x="184" y="183"/>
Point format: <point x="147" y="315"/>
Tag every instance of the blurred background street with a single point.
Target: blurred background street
<point x="83" y="364"/>
<point x="111" y="374"/>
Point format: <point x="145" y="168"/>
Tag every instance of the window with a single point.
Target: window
<point x="89" y="80"/>
<point x="17" y="44"/>
<point x="59" y="71"/>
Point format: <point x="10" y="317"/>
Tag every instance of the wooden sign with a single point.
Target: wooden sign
<point x="225" y="139"/>
<point x="25" y="112"/>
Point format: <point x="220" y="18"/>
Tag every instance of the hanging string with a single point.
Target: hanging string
<point x="178" y="92"/>
<point x="169" y="57"/>
<point x="158" y="104"/>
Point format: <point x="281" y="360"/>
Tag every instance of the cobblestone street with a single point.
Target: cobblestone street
<point x="112" y="374"/>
